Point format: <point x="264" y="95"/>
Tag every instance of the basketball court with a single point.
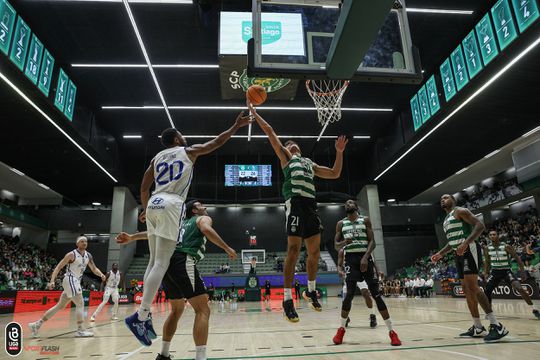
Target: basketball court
<point x="428" y="328"/>
<point x="328" y="68"/>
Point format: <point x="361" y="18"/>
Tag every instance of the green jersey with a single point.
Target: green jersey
<point x="498" y="256"/>
<point x="357" y="233"/>
<point x="192" y="240"/>
<point x="457" y="231"/>
<point x="299" y="176"/>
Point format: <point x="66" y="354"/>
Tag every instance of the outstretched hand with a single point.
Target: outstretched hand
<point x="341" y="143"/>
<point x="123" y="238"/>
<point x="242" y="120"/>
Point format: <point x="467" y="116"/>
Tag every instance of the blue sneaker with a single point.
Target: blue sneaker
<point x="149" y="328"/>
<point x="138" y="329"/>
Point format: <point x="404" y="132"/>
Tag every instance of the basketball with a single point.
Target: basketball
<point x="256" y="94"/>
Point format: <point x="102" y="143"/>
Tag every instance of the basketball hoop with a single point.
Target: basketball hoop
<point x="327" y="96"/>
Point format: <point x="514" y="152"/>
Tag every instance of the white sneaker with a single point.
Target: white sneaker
<point x="92" y="318"/>
<point x="34" y="327"/>
<point x="114" y="317"/>
<point x="84" y="333"/>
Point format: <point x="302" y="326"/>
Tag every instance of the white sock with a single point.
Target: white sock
<point x="477" y="323"/>
<point x="389" y="325"/>
<point x="165" y="345"/>
<point x="311" y="285"/>
<point x="39" y="323"/>
<point x="492" y="319"/>
<point x="343" y="322"/>
<point x="287" y="294"/>
<point x="200" y="353"/>
<point x="143" y="313"/>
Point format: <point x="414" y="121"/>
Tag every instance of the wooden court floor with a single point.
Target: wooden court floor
<point x="428" y="329"/>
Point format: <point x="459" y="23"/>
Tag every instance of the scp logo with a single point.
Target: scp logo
<point x="157" y="201"/>
<point x="14" y="339"/>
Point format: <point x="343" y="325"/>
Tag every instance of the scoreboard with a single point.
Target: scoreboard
<point x="248" y="175"/>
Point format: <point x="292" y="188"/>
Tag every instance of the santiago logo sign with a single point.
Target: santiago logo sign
<point x="270" y="31"/>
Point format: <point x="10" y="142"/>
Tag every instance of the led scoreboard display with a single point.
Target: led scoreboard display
<point x="248" y="175"/>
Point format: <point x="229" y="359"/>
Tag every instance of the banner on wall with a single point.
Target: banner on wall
<point x="504" y="290"/>
<point x="7" y="301"/>
<point x="235" y="82"/>
<point x="28" y="300"/>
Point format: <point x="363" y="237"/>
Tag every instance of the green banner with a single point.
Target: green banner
<point x="433" y="95"/>
<point x="486" y="37"/>
<point x="505" y="28"/>
<point x="21" y="39"/>
<point x="472" y="54"/>
<point x="70" y="100"/>
<point x="45" y="73"/>
<point x="7" y="20"/>
<point x="61" y="90"/>
<point x="448" y="80"/>
<point x="460" y="71"/>
<point x="415" y="110"/>
<point x="526" y="12"/>
<point x="424" y="105"/>
<point x="34" y="59"/>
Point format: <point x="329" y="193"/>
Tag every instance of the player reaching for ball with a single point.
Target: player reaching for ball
<point x="302" y="218"/>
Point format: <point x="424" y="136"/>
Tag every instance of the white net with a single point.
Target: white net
<point x="327" y="96"/>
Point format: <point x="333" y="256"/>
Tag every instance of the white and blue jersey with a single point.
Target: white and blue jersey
<point x="173" y="171"/>
<point x="74" y="273"/>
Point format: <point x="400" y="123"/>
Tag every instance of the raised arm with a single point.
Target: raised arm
<point x="334" y="172"/>
<point x="478" y="227"/>
<point x="68" y="258"/>
<point x="339" y="241"/>
<point x="202" y="149"/>
<point x="204" y="223"/>
<point x="282" y="153"/>
<point x="146" y="184"/>
<point x="95" y="269"/>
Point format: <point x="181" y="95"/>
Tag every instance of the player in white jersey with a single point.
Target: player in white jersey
<point x="171" y="170"/>
<point x="75" y="263"/>
<point x="113" y="278"/>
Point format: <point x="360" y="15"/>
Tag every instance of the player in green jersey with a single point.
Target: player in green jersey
<point x="497" y="254"/>
<point x="302" y="218"/>
<point x="182" y="279"/>
<point x="462" y="229"/>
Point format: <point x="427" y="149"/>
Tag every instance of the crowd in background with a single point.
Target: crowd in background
<point x="483" y="195"/>
<point x="24" y="266"/>
<point x="522" y="232"/>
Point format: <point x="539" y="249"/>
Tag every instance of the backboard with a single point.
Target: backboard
<point x="292" y="39"/>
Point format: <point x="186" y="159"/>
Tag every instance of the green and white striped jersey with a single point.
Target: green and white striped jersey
<point x="357" y="233"/>
<point x="299" y="176"/>
<point x="192" y="241"/>
<point x="456" y="230"/>
<point x="498" y="256"/>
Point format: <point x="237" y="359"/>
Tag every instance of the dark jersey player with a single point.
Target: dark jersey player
<point x="358" y="265"/>
<point x="462" y="229"/>
<point x="302" y="218"/>
<point x="497" y="254"/>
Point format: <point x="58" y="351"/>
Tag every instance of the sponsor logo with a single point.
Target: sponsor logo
<point x="270" y="31"/>
<point x="44" y="349"/>
<point x="14" y="339"/>
<point x="293" y="228"/>
<point x="157" y="201"/>
<point x="458" y="290"/>
<point x="252" y="282"/>
<point x="6" y="303"/>
<point x="242" y="81"/>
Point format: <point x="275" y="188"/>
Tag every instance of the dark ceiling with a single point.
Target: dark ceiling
<point x="97" y="32"/>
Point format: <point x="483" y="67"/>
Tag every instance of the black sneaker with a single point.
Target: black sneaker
<point x="347" y="322"/>
<point x="474" y="332"/>
<point x="537" y="314"/>
<point x="161" y="357"/>
<point x="311" y="298"/>
<point x="372" y="321"/>
<point x="289" y="311"/>
<point x="496" y="332"/>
